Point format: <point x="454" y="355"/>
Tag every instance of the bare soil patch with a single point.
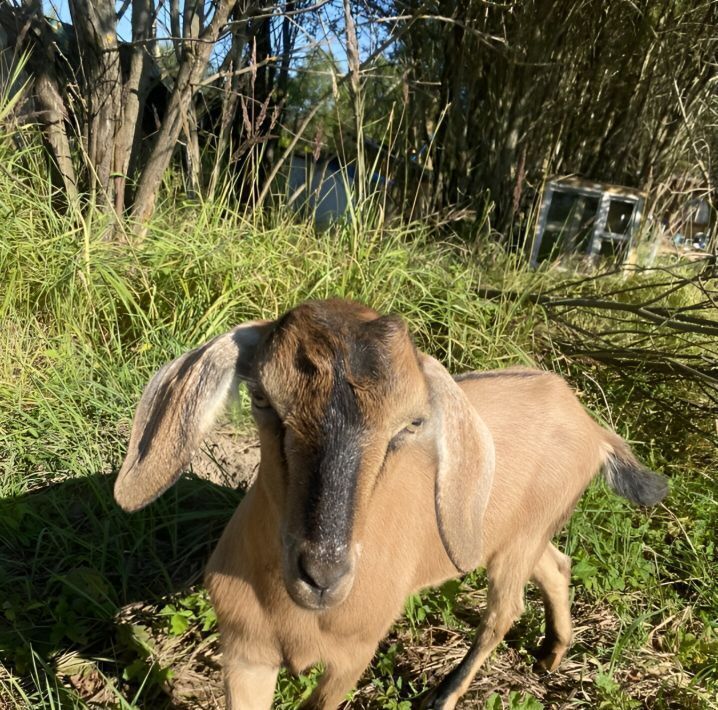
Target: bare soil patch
<point x="228" y="458"/>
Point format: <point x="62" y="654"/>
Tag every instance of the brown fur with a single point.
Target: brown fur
<point x="494" y="467"/>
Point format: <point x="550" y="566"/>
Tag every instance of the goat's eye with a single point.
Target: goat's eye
<point x="413" y="426"/>
<point x="260" y="401"/>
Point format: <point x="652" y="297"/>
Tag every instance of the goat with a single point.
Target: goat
<point x="380" y="475"/>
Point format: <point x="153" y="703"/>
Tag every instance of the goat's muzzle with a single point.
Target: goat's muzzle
<point x="318" y="577"/>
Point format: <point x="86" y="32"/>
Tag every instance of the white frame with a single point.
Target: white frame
<point x="605" y="194"/>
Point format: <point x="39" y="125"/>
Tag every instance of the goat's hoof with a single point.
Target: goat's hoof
<point x="438" y="699"/>
<point x="547" y="661"/>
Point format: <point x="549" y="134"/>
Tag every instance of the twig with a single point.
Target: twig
<point x="661" y="316"/>
<point x="308" y="118"/>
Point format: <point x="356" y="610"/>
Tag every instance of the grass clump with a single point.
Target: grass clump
<point x="104" y="609"/>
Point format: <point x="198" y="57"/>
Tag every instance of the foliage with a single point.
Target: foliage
<point x="105" y="608"/>
<point x="516" y="701"/>
<point x="519" y="91"/>
<point x="465" y="104"/>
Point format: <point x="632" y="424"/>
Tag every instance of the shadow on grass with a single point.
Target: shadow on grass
<point x="70" y="559"/>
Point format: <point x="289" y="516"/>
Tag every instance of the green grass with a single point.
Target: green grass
<point x="101" y="607"/>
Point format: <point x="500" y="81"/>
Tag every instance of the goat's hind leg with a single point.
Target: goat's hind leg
<point x="552" y="574"/>
<point x="504" y="605"/>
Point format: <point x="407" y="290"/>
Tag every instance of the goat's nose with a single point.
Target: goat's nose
<point x="322" y="574"/>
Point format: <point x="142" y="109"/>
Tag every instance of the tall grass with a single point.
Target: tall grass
<point x="90" y="596"/>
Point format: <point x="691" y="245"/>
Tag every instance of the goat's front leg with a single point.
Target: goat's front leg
<point x="339" y="677"/>
<point x="248" y="686"/>
<point x="504" y="605"/>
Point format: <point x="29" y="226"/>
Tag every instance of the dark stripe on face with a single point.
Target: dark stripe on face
<point x="334" y="472"/>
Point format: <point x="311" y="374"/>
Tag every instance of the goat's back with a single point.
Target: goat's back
<point x="547" y="451"/>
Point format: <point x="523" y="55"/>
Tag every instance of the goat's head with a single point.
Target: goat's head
<point x="337" y="392"/>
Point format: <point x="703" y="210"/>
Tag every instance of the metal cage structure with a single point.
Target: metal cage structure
<point x="586" y="218"/>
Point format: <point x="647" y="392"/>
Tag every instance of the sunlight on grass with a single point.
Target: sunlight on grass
<point x="103" y="607"/>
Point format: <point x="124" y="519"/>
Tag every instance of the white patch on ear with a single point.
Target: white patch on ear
<point x="226" y="391"/>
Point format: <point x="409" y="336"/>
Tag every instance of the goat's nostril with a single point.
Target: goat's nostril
<point x="320" y="574"/>
<point x="305" y="572"/>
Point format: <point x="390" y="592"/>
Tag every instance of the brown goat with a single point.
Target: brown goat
<point x="380" y="474"/>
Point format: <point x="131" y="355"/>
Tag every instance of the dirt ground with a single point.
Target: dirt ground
<point x="228" y="458"/>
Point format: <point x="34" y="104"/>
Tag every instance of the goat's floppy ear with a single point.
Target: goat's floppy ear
<point x="178" y="407"/>
<point x="466" y="462"/>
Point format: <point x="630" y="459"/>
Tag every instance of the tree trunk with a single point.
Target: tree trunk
<point x="101" y="83"/>
<point x="52" y="118"/>
<point x="194" y="62"/>
<point x="134" y="93"/>
<point x="355" y="91"/>
<point x="192" y="153"/>
<point x="51" y="111"/>
<point x="230" y="104"/>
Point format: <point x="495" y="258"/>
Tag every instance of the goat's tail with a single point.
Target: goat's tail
<point x="628" y="477"/>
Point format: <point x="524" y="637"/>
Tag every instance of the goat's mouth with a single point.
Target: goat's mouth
<point x="318" y="580"/>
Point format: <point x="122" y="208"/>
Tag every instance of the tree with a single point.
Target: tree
<point x="92" y="91"/>
<point x="501" y="95"/>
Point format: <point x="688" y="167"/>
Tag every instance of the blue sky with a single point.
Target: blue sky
<point x="332" y="11"/>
